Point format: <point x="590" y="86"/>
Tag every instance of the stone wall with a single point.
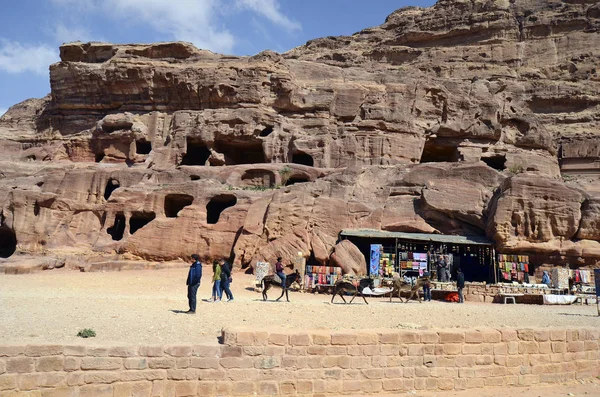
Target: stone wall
<point x="310" y="363"/>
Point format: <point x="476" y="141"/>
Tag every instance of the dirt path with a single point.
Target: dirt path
<point x="141" y="307"/>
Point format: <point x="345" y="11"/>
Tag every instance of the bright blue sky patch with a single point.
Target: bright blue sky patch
<point x="32" y="30"/>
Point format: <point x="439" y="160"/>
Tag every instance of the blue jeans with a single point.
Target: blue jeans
<point x="282" y="277"/>
<point x="192" y="290"/>
<point x="225" y="288"/>
<point x="426" y="293"/>
<point x="216" y="293"/>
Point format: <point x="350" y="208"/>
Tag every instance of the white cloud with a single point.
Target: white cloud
<point x="64" y="34"/>
<point x="19" y="58"/>
<point x="186" y="20"/>
<point x="270" y="10"/>
<point x="2" y="111"/>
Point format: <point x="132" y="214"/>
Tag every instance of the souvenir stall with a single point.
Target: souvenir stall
<point x="513" y="268"/>
<point x="321" y="276"/>
<point x="411" y="255"/>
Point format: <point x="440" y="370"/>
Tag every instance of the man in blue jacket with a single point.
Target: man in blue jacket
<point x="193" y="282"/>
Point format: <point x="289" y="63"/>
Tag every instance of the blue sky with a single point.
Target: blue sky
<point x="32" y="30"/>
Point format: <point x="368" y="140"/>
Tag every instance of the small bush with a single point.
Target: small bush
<point x="86" y="333"/>
<point x="285" y="173"/>
<point x="516" y="169"/>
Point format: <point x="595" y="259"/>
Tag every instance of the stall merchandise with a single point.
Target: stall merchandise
<point x="560" y="277"/>
<point x="513" y="267"/>
<point x="321" y="275"/>
<point x="261" y="270"/>
<point x="386" y="263"/>
<point x="413" y="263"/>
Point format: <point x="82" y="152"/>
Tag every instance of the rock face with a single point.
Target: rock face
<point x="457" y="118"/>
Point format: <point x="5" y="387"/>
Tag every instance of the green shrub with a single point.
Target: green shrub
<point x="86" y="333"/>
<point x="516" y="169"/>
<point x="285" y="173"/>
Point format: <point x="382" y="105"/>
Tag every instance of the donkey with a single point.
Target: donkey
<point x="400" y="285"/>
<point x="342" y="287"/>
<point x="269" y="281"/>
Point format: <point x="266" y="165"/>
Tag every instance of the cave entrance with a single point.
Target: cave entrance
<point x="241" y="152"/>
<point x="175" y="203"/>
<point x="497" y="162"/>
<point x="99" y="157"/>
<point x="436" y="151"/>
<point x="142" y="146"/>
<point x="118" y="228"/>
<point x="196" y="153"/>
<point x="302" y="158"/>
<point x="217" y="205"/>
<point x="262" y="178"/>
<point x="8" y="242"/>
<point x="111" y="186"/>
<point x="297" y="179"/>
<point x="140" y="219"/>
<point x="266" y="132"/>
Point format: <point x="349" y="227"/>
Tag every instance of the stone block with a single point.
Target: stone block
<point x="186" y="389"/>
<point x="268" y="388"/>
<point x="541" y="335"/>
<point x="415" y="350"/>
<point x="43" y="350"/>
<point x="267" y="362"/>
<point x="278" y="339"/>
<point x="355" y="350"/>
<point x="389" y="350"/>
<point x="491" y="336"/>
<point x="178" y="351"/>
<point x="471" y="349"/>
<point x="243" y="388"/>
<point x="337" y="350"/>
<point x="139" y="375"/>
<point x="393" y="372"/>
<point x="429" y="337"/>
<point x="72" y="363"/>
<point x="321" y="338"/>
<point x="408" y="337"/>
<point x="20" y="365"/>
<point x="150" y="351"/>
<point x="301" y="339"/>
<point x="206" y="351"/>
<point x="231" y="351"/>
<point x="133" y="389"/>
<point x="162" y="363"/>
<point x="182" y="374"/>
<point x="74" y="350"/>
<point x="182" y="362"/>
<point x="452" y="348"/>
<point x="37" y="381"/>
<point x="525" y="334"/>
<point x="97" y="351"/>
<point x="253" y="350"/>
<point x="122" y="351"/>
<point x="344" y="339"/>
<point x="509" y="335"/>
<point x="60" y="392"/>
<point x="575" y="346"/>
<point x="76" y="379"/>
<point x="451" y="337"/>
<point x="528" y="347"/>
<point x="252" y="338"/>
<point x="473" y="336"/>
<point x="349" y="386"/>
<point x="204" y="362"/>
<point x="558" y="335"/>
<point x="367" y="338"/>
<point x="95" y="377"/>
<point x="373" y="373"/>
<point x="370" y="350"/>
<point x="135" y="363"/>
<point x="8" y="382"/>
<point x="101" y="363"/>
<point x="393" y="384"/>
<point x="11" y="351"/>
<point x="237" y="362"/>
<point x="545" y="347"/>
<point x="389" y="338"/>
<point x="96" y="391"/>
<point x="465" y="361"/>
<point x="49" y="364"/>
<point x="445" y="384"/>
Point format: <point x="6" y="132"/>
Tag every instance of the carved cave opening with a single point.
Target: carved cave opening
<point x="175" y="203"/>
<point x="111" y="186"/>
<point x="266" y="132"/>
<point x="8" y="242"/>
<point x="36" y="208"/>
<point x="497" y="162"/>
<point x="297" y="179"/>
<point x="241" y="152"/>
<point x="117" y="230"/>
<point x="99" y="157"/>
<point x="217" y="205"/>
<point x="303" y="158"/>
<point x="140" y="219"/>
<point x="262" y="178"/>
<point x="436" y="151"/>
<point x="197" y="153"/>
<point x="142" y="146"/>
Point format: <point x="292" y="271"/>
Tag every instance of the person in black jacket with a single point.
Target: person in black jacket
<point x="193" y="282"/>
<point x="460" y="284"/>
<point x="226" y="280"/>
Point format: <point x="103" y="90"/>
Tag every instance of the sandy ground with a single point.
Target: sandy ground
<point x="143" y="307"/>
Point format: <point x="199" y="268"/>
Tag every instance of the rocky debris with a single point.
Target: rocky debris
<point x="457" y="118"/>
<point x="347" y="256"/>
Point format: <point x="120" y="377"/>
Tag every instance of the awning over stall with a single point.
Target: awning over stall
<point x="424" y="237"/>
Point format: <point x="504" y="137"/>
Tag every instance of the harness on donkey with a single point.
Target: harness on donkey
<point x="268" y="281"/>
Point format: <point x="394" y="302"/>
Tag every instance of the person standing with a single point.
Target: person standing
<point x="279" y="272"/>
<point x="193" y="282"/>
<point x="460" y="284"/>
<point x="216" y="291"/>
<point x="225" y="281"/>
<point x="546" y="278"/>
<point x="427" y="287"/>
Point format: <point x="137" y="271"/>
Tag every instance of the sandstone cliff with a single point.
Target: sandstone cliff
<point x="473" y="117"/>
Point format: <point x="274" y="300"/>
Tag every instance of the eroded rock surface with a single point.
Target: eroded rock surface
<point x="459" y="118"/>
